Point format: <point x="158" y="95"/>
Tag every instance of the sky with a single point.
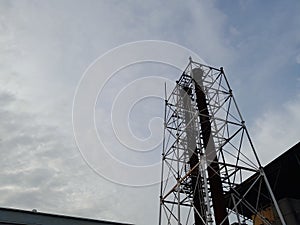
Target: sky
<point x="46" y="48"/>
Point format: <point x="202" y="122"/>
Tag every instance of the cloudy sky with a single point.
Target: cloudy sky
<point x="45" y="48"/>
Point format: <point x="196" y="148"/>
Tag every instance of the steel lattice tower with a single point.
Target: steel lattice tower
<point x="211" y="173"/>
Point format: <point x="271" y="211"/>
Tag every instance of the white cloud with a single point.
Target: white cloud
<point x="277" y="130"/>
<point x="234" y="31"/>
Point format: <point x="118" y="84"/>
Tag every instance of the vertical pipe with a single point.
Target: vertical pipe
<point x="213" y="168"/>
<point x="193" y="156"/>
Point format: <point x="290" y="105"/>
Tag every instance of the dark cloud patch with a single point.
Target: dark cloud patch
<point x="6" y="98"/>
<point x="42" y="168"/>
<point x="35" y="158"/>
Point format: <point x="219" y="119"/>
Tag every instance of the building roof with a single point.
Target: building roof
<point x="24" y="217"/>
<point x="283" y="174"/>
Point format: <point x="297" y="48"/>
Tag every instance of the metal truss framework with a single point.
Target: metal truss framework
<point x="207" y="145"/>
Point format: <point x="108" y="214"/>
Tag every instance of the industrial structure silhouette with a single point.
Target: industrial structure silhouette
<point x="211" y="173"/>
